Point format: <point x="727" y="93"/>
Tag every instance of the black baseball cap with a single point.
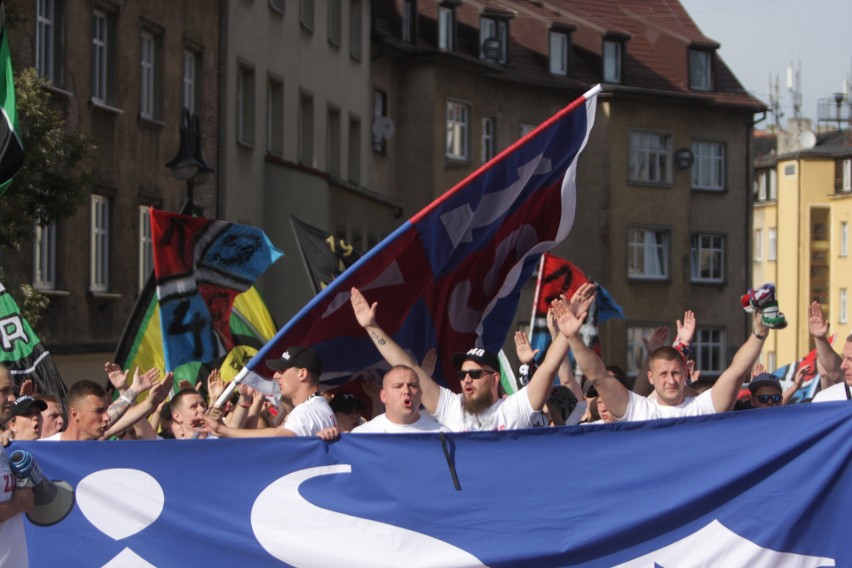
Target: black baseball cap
<point x="346" y="403"/>
<point x="22" y="405"/>
<point x="478" y="354"/>
<point x="765" y="379"/>
<point x="299" y="357"/>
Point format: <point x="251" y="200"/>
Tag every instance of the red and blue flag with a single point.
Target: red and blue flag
<point x="450" y="277"/>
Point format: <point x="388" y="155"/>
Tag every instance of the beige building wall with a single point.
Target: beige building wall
<point x="841" y="268"/>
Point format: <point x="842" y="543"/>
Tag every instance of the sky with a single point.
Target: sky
<point x="760" y="38"/>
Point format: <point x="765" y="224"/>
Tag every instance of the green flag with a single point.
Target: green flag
<point x="23" y="353"/>
<point x="11" y="148"/>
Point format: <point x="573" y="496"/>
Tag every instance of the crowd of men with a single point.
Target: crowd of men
<point x="406" y="399"/>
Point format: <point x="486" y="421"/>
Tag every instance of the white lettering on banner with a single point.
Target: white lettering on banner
<point x="461" y="221"/>
<point x="12" y="329"/>
<point x="298" y="532"/>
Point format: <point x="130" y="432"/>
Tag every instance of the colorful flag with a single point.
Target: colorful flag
<point x="787" y="376"/>
<point x="450" y="276"/>
<point x="23" y="353"/>
<point x="325" y="256"/>
<point x="11" y="147"/>
<point x="376" y="500"/>
<point x="557" y="276"/>
<point x="201" y="266"/>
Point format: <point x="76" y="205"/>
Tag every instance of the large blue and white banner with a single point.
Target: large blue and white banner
<point x="755" y="488"/>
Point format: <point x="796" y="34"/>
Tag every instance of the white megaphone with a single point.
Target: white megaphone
<point x="53" y="499"/>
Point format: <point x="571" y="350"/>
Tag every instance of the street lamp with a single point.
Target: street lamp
<point x="188" y="164"/>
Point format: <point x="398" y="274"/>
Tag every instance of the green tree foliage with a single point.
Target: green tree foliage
<point x="52" y="183"/>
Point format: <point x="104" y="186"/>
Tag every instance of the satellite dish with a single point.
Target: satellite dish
<point x="807" y="140"/>
<point x="383" y="127"/>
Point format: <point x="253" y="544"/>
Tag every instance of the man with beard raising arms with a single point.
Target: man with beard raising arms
<point x="479" y="406"/>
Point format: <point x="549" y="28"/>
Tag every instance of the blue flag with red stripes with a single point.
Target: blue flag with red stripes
<point x="450" y="277"/>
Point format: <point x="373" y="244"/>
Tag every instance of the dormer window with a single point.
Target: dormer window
<point x="612" y="60"/>
<point x="446" y="27"/>
<point x="493" y="38"/>
<point x="700" y="65"/>
<point x="558" y="54"/>
<point x="409" y="21"/>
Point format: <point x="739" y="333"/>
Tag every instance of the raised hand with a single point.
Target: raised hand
<point x="567" y="321"/>
<point x="364" y="312"/>
<point x="817" y="326"/>
<point x="143" y="382"/>
<point x="215" y="386"/>
<point x="429" y="361"/>
<point x="582" y="299"/>
<point x="117" y="377"/>
<point x="523" y="349"/>
<point x="758" y="369"/>
<point x="659" y="338"/>
<point x="160" y="391"/>
<point x="686" y="329"/>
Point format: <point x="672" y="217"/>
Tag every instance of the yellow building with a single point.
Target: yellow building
<point x="803" y="206"/>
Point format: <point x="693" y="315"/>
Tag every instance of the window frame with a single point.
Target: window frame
<point x="274" y="116"/>
<point x="612" y="61"/>
<point x="557" y="55"/>
<point x="44" y="257"/>
<point x="306" y="128"/>
<point x="150" y="81"/>
<point x="245" y="101"/>
<point x="757" y="253"/>
<point x="307" y="14"/>
<point x="709" y="163"/>
<point x="700" y="65"/>
<point x="380" y="110"/>
<point x="458" y="130"/>
<point x="356" y="30"/>
<point x="661" y="249"/>
<point x="716" y="346"/>
<point x="146" y="244"/>
<point x="844" y="239"/>
<point x="48" y="40"/>
<point x="771" y="244"/>
<point x="446" y="27"/>
<point x="409" y="21"/>
<point x="335" y="22"/>
<point x="714" y="250"/>
<point x="100" y="57"/>
<point x="489" y="138"/>
<point x="354" y="172"/>
<point x="190" y="80"/>
<point x="846" y="175"/>
<point x="334" y="140"/>
<point x="499" y="28"/>
<point x="99" y="243"/>
<point x="658" y="157"/>
<point x="843" y="306"/>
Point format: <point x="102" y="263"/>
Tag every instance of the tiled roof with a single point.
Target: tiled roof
<point x="657" y="35"/>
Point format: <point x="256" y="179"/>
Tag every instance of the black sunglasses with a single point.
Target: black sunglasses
<point x="474" y="373"/>
<point x="765" y="398"/>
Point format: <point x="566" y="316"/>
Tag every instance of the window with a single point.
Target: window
<point x="380" y="112"/>
<point x="636" y="352"/>
<point x="844" y="238"/>
<point x="146" y="251"/>
<point x="48" y="40"/>
<point x="493" y="39"/>
<point x="306" y="129"/>
<point x="275" y="117"/>
<point x="190" y="80"/>
<point x="767" y="185"/>
<point x="649" y="157"/>
<point x="44" y="257"/>
<point x="771" y="363"/>
<point x="458" y="120"/>
<point x="409" y="21"/>
<point x="446" y="28"/>
<point x="708" y="258"/>
<point x="245" y="104"/>
<point x="103" y="46"/>
<point x="99" y="254"/>
<point x="558" y="53"/>
<point x="647" y="254"/>
<point x="334" y="22"/>
<point x="489" y="138"/>
<point x="354" y="149"/>
<point x="699" y="69"/>
<point x="334" y="142"/>
<point x="771" y="244"/>
<point x="708" y="169"/>
<point x="847" y="175"/>
<point x="277" y="5"/>
<point x="149" y="81"/>
<point x="355" y="30"/>
<point x="306" y="14"/>
<point x="758" y="245"/>
<point x="612" y="61"/>
<point x="709" y="349"/>
<point x="843" y="314"/>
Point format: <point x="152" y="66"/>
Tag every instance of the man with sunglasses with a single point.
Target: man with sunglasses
<point x="765" y="391"/>
<point x="478" y="406"/>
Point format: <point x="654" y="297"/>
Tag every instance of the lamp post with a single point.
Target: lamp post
<point x="188" y="164"/>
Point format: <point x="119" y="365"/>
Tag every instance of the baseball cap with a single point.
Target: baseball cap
<point x="478" y="354"/>
<point x="346" y="403"/>
<point x="22" y="405"/>
<point x="299" y="357"/>
<point x="764" y="379"/>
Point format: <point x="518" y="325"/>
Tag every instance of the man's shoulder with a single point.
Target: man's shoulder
<point x="834" y="392"/>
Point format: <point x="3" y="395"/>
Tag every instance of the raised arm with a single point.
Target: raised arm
<point x="140" y="384"/>
<point x="565" y="374"/>
<point x="390" y="349"/>
<point x="724" y="391"/>
<point x="826" y="355"/>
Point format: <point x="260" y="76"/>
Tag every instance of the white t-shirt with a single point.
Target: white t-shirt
<point x="510" y="413"/>
<point x="310" y="417"/>
<point x="642" y="408"/>
<point x="381" y="425"/>
<point x="834" y="392"/>
<point x="13" y="542"/>
<point x="52" y="438"/>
